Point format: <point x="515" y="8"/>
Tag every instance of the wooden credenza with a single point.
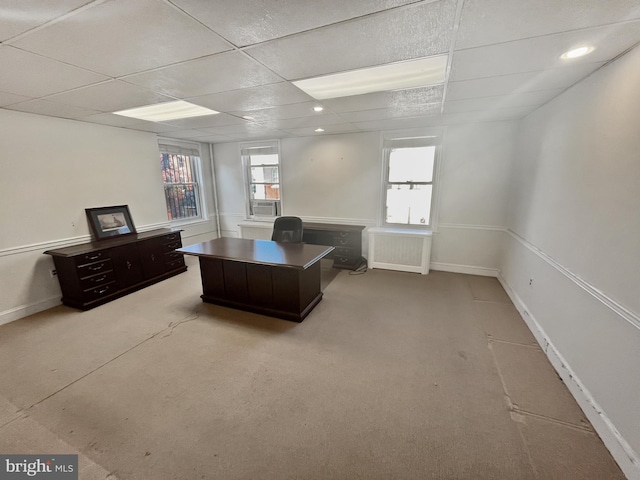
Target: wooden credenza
<point x="95" y="273"/>
<point x="347" y="240"/>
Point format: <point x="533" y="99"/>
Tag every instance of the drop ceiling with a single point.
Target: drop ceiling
<point x="84" y="60"/>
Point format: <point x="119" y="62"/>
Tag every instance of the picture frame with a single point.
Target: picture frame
<point x="110" y="222"/>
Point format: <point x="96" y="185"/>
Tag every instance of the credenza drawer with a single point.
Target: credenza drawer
<point x="93" y="268"/>
<point x="100" y="291"/>
<point x="97" y="280"/>
<point x="346" y="239"/>
<point x="345" y="262"/>
<point x="91" y="257"/>
<point x="177" y="263"/>
<point x="172" y="245"/>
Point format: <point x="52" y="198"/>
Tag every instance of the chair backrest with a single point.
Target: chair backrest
<point x="287" y="230"/>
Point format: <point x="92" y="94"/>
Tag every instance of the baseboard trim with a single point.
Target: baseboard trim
<point x="25" y="310"/>
<point x="466" y="269"/>
<point x="622" y="452"/>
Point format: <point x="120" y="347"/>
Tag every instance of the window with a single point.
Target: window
<point x="261" y="161"/>
<point x="410" y="167"/>
<point x="180" y="165"/>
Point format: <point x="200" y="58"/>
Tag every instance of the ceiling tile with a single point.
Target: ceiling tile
<point x="329" y="129"/>
<point x="245" y="22"/>
<point x="253" y="98"/>
<point x="561" y="77"/>
<point x="295" y="110"/>
<point x="371" y="101"/>
<point x="44" y="107"/>
<point x="419" y="30"/>
<point x="399" y="123"/>
<point x="484" y="22"/>
<point x="393" y="112"/>
<point x="541" y="53"/>
<point x="19" y="16"/>
<point x="30" y="75"/>
<point x="315" y="121"/>
<point x="212" y="74"/>
<point x="502" y="101"/>
<point x="122" y="37"/>
<point x="245" y="129"/>
<point x="10" y="98"/>
<point x="154" y="127"/>
<point x="205" y="121"/>
<point x="111" y="119"/>
<point x="496" y="114"/>
<point x="110" y="97"/>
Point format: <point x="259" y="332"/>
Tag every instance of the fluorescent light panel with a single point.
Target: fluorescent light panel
<point x="394" y="76"/>
<point x="162" y="112"/>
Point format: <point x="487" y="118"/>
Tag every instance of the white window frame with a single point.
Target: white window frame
<point x="170" y="145"/>
<point x="412" y="138"/>
<point x="246" y="168"/>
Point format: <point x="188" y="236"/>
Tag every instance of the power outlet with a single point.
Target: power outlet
<point x="53" y="272"/>
<point x="531" y="282"/>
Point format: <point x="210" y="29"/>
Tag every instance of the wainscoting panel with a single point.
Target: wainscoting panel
<point x="592" y="341"/>
<point x="470" y="249"/>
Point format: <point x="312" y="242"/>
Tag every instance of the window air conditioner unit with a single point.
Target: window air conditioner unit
<point x="263" y="208"/>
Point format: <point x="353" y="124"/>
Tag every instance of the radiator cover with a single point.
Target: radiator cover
<point x="400" y="249"/>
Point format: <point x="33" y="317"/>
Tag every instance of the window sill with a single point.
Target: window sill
<point x="266" y="223"/>
<point x="188" y="223"/>
<point x="409" y="232"/>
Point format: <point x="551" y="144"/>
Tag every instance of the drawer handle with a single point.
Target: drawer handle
<point x="128" y="265"/>
<point x="170" y="237"/>
<point x="344" y="234"/>
<point x="173" y="245"/>
<point x="343" y="242"/>
<point x="101" y="279"/>
<point x="103" y="290"/>
<point x="95" y="257"/>
<point x="96" y="268"/>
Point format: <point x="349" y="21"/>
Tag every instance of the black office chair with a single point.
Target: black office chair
<point x="287" y="230"/>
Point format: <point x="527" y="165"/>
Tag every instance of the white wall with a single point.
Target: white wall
<point x="52" y="169"/>
<point x="337" y="178"/>
<point x="474" y="185"/>
<point x="575" y="231"/>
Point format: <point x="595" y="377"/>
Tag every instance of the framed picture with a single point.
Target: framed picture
<point x="109" y="222"/>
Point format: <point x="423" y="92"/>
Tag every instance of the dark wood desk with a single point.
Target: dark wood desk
<point x="276" y="279"/>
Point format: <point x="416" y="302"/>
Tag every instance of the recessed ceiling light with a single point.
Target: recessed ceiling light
<point x="162" y="112"/>
<point x="319" y="130"/>
<point x="576" y="52"/>
<point x="394" y="76"/>
<point x="318" y="109"/>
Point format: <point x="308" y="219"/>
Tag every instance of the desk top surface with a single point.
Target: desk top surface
<point x="265" y="252"/>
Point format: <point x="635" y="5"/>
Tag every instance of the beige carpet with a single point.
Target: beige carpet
<point x="392" y="376"/>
